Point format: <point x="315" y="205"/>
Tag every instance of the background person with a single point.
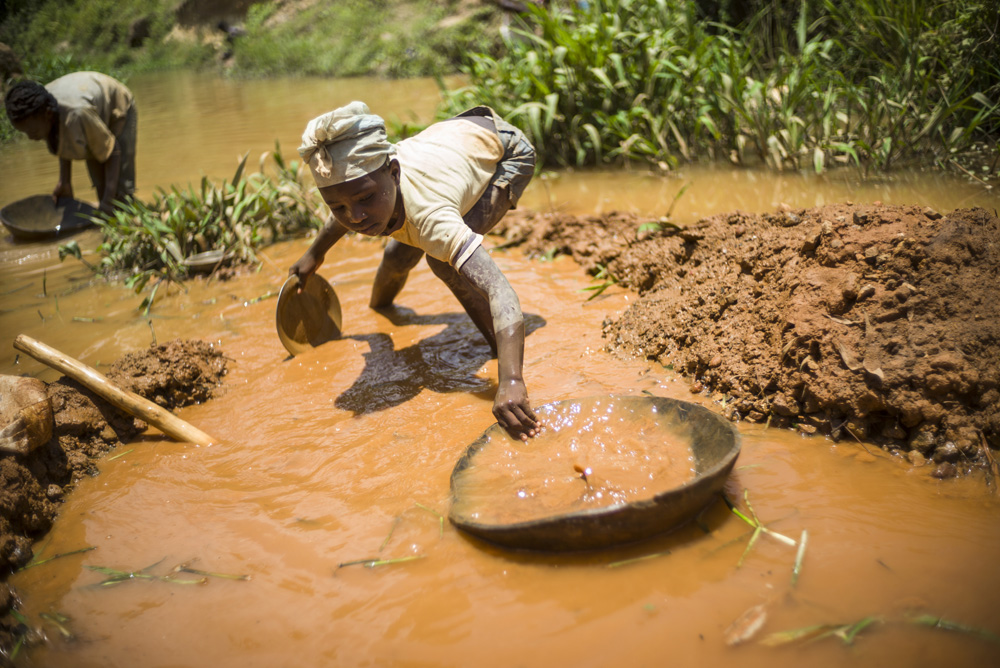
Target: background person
<point x="81" y="116"/>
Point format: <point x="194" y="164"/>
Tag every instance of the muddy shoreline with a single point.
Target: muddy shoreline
<point x="86" y="427"/>
<point x="866" y="322"/>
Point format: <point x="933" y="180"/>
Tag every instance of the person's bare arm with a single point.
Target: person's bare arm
<point x="310" y="261"/>
<point x="511" y="406"/>
<point x="64" y="187"/>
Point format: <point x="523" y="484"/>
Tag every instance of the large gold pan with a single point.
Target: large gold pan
<point x="715" y="444"/>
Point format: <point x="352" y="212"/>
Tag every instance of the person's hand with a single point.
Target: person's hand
<point x="62" y="190"/>
<point x="305" y="267"/>
<point x="513" y="412"/>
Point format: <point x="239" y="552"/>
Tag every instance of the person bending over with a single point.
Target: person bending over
<point x="81" y="116"/>
<point x="436" y="193"/>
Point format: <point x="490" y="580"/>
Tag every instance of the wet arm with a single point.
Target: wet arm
<point x="511" y="408"/>
<point x="310" y="261"/>
<point x="64" y="187"/>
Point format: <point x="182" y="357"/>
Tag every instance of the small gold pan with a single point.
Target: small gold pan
<point x="308" y="318"/>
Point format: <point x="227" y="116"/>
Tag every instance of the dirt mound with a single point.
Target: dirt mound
<point x="173" y="374"/>
<point x="865" y="322"/>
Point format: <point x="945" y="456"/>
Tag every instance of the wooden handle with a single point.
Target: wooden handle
<point x="130" y="402"/>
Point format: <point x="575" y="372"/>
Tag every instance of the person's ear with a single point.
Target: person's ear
<point x="394" y="169"/>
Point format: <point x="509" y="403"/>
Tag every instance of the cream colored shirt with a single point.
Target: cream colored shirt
<point x="92" y="111"/>
<point x="445" y="170"/>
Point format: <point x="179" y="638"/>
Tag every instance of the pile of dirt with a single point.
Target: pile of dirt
<point x="86" y="426"/>
<point x="868" y="322"/>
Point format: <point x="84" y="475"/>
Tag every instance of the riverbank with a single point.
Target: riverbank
<point x="862" y="322"/>
<point x="86" y="427"/>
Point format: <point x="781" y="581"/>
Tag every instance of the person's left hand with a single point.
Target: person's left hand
<point x="513" y="411"/>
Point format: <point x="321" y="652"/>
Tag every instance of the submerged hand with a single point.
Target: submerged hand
<point x="513" y="412"/>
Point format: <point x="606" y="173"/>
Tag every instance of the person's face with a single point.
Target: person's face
<point x="37" y="126"/>
<point x="367" y="204"/>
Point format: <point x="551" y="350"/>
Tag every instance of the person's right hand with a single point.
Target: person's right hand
<point x="62" y="190"/>
<point x="305" y="267"/>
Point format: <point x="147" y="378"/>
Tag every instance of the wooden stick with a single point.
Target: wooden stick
<point x="130" y="402"/>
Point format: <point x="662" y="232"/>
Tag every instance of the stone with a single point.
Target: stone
<point x="25" y="414"/>
<point x="948" y="452"/>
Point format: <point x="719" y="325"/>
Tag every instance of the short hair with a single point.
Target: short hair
<point x="27" y="98"/>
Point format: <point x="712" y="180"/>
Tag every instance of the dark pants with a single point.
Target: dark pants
<point x="126" y="147"/>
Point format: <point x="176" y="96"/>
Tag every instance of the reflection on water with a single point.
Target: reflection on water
<point x="345" y="453"/>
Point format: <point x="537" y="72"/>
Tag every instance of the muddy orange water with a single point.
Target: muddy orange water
<point x="345" y="454"/>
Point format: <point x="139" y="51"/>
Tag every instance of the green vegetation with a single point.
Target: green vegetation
<point x="106" y="35"/>
<point x="872" y="82"/>
<point x="345" y="38"/>
<point x="361" y="37"/>
<point x="152" y="241"/>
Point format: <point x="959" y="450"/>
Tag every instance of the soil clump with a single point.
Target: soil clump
<point x="173" y="374"/>
<point x="864" y="322"/>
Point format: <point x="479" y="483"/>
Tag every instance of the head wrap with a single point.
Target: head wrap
<point x="344" y="144"/>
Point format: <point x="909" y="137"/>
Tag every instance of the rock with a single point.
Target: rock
<point x="916" y="458"/>
<point x="25" y="414"/>
<point x="945" y="470"/>
<point x="782" y="404"/>
<point x="923" y="442"/>
<point x="948" y="452"/>
<point x="54" y="492"/>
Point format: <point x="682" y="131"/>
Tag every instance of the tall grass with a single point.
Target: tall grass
<point x="873" y="82"/>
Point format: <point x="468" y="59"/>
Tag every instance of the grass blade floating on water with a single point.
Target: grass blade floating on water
<point x="57" y="556"/>
<point x="439" y="516"/>
<point x="58" y="620"/>
<point x="798" y="557"/>
<point x="635" y="560"/>
<point x="933" y="621"/>
<point x="373" y="562"/>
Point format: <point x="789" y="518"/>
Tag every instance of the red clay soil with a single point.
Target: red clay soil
<point x="868" y="322"/>
<point x="172" y="375"/>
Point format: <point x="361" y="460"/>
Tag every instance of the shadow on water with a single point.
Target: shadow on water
<point x="445" y="362"/>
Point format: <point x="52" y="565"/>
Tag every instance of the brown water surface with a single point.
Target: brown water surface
<point x="344" y="454"/>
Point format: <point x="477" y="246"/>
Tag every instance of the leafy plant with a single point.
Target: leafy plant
<point x="148" y="242"/>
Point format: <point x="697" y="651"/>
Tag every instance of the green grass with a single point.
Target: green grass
<point x="360" y="37"/>
<point x="634" y="81"/>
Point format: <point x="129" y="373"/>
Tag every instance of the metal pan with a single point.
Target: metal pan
<point x="38" y="217"/>
<point x="714" y="442"/>
<point x="307" y="318"/>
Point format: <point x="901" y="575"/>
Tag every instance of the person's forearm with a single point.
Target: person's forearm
<point x="505" y="308"/>
<point x="510" y="353"/>
<point x="330" y="234"/>
<point x="65" y="171"/>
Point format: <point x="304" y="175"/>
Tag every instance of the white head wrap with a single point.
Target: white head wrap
<point x="344" y="144"/>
